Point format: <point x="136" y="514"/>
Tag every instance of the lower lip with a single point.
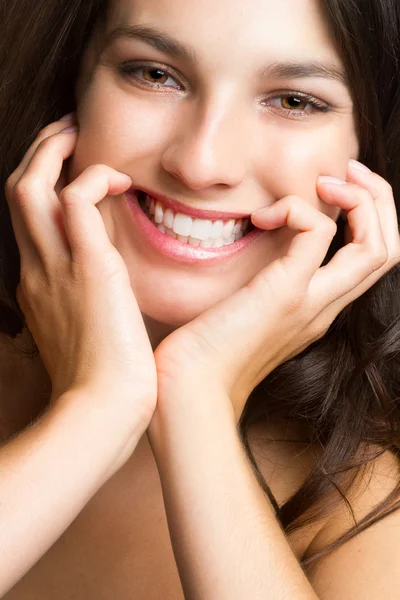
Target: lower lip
<point x="179" y="251"/>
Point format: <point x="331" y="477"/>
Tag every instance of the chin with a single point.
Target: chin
<point x="175" y="309"/>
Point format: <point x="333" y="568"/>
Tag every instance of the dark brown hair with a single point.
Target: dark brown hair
<point x="345" y="387"/>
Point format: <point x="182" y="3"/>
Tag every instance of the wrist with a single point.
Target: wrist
<point x="188" y="411"/>
<point x="102" y="423"/>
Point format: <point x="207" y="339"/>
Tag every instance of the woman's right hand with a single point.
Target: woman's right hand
<point x="75" y="290"/>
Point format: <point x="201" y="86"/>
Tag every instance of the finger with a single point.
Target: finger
<point x="382" y="193"/>
<point x="44" y="133"/>
<point x="308" y="248"/>
<point x="36" y="201"/>
<point x="26" y="246"/>
<point x="27" y="250"/>
<point x="354" y="267"/>
<point x="83" y="222"/>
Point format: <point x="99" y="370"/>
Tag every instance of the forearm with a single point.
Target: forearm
<point x="49" y="472"/>
<point x="226" y="539"/>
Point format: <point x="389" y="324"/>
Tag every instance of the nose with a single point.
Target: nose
<point x="208" y="148"/>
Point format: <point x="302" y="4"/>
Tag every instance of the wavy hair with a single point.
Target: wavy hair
<point x="346" y="386"/>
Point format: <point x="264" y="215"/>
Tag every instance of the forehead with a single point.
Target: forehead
<point x="284" y="29"/>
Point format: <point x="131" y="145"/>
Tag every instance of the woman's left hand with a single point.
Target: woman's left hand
<point x="292" y="302"/>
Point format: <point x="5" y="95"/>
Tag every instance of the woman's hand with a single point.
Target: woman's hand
<point x="291" y="303"/>
<point x="75" y="290"/>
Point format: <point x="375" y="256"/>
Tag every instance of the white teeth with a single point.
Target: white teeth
<point x="209" y="243"/>
<point x="227" y="230"/>
<point x="217" y="228"/>
<point x="195" y="232"/>
<point x="171" y="233"/>
<point x="169" y="218"/>
<point x="230" y="240"/>
<point x="237" y="227"/>
<point x="201" y="229"/>
<point x="194" y="241"/>
<point x="183" y="225"/>
<point x="159" y="213"/>
<point x="182" y="238"/>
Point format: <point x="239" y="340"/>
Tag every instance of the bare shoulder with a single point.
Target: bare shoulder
<point x="285" y="457"/>
<point x="380" y="479"/>
<point x="366" y="565"/>
<point x="285" y="461"/>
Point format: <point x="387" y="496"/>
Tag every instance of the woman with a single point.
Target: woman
<point x="208" y="252"/>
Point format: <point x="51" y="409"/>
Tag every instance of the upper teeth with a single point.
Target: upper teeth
<point x="185" y="225"/>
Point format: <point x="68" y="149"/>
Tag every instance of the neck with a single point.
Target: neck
<point x="156" y="331"/>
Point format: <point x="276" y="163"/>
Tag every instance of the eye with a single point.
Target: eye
<point x="293" y="103"/>
<point x="296" y="103"/>
<point x="149" y="75"/>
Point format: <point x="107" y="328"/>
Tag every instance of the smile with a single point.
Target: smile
<point x="188" y="238"/>
<point x="205" y="233"/>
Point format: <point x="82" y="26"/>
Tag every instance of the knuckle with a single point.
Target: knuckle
<point x="28" y="285"/>
<point x="293" y="199"/>
<point x="378" y="256"/>
<point x="22" y="192"/>
<point x="293" y="303"/>
<point x="45" y="132"/>
<point x="320" y="329"/>
<point x="384" y="186"/>
<point x="69" y="196"/>
<point x="329" y="227"/>
<point x="382" y="256"/>
<point x="46" y="142"/>
<point x="370" y="196"/>
<point x="97" y="169"/>
<point x="103" y="269"/>
<point x="10" y="184"/>
<point x="26" y="188"/>
<point x="111" y="263"/>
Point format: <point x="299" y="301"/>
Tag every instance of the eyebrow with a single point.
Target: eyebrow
<point x="278" y="70"/>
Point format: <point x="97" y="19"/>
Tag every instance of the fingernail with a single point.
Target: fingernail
<point x="359" y="166"/>
<point x="331" y="180"/>
<point x="68" y="117"/>
<point x="68" y="129"/>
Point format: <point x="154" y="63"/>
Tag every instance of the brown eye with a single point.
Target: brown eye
<point x="155" y="75"/>
<point x="149" y="75"/>
<point x="293" y="103"/>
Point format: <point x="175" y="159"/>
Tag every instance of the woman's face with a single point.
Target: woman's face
<point x="227" y="129"/>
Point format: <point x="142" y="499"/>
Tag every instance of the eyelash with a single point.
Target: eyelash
<point x="129" y="70"/>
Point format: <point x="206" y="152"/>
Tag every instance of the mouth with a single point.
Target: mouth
<point x="187" y="226"/>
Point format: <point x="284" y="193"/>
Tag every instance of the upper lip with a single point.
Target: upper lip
<point x="177" y="206"/>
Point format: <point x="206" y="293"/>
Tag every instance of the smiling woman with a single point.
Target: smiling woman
<point x="203" y="258"/>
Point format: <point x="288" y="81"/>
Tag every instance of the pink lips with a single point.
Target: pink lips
<point x="150" y="236"/>
<point x="177" y="206"/>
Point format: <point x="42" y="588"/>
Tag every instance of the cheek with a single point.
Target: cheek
<point x="298" y="158"/>
<point x="111" y="132"/>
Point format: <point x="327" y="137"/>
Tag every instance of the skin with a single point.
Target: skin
<point x="202" y="145"/>
<point x="224" y="142"/>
